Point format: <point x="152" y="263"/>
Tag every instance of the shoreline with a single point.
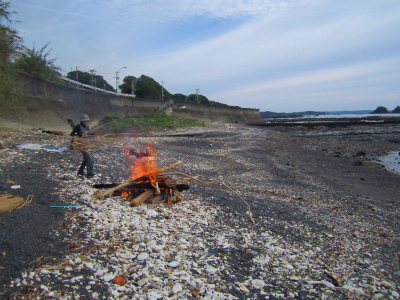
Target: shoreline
<point x="318" y="216"/>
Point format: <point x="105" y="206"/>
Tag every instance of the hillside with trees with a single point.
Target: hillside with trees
<point x="385" y="110"/>
<point x="396" y="110"/>
<point x="90" y="79"/>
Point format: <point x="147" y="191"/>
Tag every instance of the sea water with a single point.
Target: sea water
<point x="391" y="161"/>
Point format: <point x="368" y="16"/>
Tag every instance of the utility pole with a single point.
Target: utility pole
<point x="117" y="78"/>
<point x="77" y="74"/>
<point x="197" y="95"/>
<point x="162" y="90"/>
<point x="93" y="72"/>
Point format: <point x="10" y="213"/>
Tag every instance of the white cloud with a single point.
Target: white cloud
<point x="294" y="49"/>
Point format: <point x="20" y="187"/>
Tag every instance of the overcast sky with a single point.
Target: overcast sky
<point x="281" y="56"/>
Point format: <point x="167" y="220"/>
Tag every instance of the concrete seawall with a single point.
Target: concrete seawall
<point x="45" y="104"/>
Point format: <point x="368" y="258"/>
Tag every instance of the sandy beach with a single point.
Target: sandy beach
<point x="326" y="218"/>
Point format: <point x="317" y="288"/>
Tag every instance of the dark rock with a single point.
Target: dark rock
<point x="361" y="153"/>
<point x="358" y="163"/>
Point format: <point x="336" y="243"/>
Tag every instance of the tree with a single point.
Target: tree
<point x="195" y="98"/>
<point x="380" y="110"/>
<point x="89" y="79"/>
<point x="179" y="97"/>
<point x="149" y="88"/>
<point x="396" y="110"/>
<point x="36" y="62"/>
<point x="128" y="84"/>
<point x="10" y="43"/>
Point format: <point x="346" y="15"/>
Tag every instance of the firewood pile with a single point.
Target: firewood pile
<point x="157" y="187"/>
<point x="160" y="187"/>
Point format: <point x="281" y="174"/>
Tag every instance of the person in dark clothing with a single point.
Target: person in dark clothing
<point x="82" y="130"/>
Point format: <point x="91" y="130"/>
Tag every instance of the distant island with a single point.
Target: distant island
<point x="378" y="110"/>
<point x="270" y="114"/>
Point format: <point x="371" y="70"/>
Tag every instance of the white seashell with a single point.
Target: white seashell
<point x="143" y="256"/>
<point x="89" y="265"/>
<point x="143" y="281"/>
<point x="173" y="264"/>
<point x="290" y="267"/>
<point x="328" y="284"/>
<point x="210" y="269"/>
<point x="153" y="296"/>
<point x="134" y="222"/>
<point x="108" y="277"/>
<point x="172" y="277"/>
<point x="258" y="284"/>
<point x="151" y="213"/>
<point x="353" y="289"/>
<point x="387" y="284"/>
<point x="177" y="288"/>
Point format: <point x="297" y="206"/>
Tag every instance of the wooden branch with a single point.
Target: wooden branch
<point x="146" y="185"/>
<point x="122" y="185"/>
<point x="213" y="182"/>
<point x="143" y="178"/>
<point x="173" y="166"/>
<point x="142" y="197"/>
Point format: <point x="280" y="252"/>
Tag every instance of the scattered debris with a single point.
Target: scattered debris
<point x="48" y="148"/>
<point x="9" y="203"/>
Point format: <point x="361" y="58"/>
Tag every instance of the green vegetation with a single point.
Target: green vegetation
<point x="117" y="125"/>
<point x="396" y="110"/>
<point x="9" y="45"/>
<point x="146" y="87"/>
<point x="380" y="110"/>
<point x="90" y="79"/>
<point x="15" y="57"/>
<point x="37" y="63"/>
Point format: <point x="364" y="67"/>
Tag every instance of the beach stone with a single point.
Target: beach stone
<point x="361" y="153"/>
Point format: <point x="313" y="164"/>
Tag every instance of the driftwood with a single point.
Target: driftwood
<point x="147" y="185"/>
<point x="120" y="186"/>
<point x="9" y="203"/>
<point x="142" y="197"/>
<point x="171" y="182"/>
<point x="143" y="178"/>
<point x="213" y="183"/>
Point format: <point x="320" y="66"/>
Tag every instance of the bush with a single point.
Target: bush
<point x="118" y="125"/>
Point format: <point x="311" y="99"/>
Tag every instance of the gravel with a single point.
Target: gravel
<point x="326" y="218"/>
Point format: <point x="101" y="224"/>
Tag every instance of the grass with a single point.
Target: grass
<point x="154" y="121"/>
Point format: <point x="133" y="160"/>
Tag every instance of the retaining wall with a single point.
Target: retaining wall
<point x="45" y="104"/>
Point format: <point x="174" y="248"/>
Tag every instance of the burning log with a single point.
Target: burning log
<point x="120" y="186"/>
<point x="143" y="178"/>
<point x="147" y="185"/>
<point x="142" y="197"/>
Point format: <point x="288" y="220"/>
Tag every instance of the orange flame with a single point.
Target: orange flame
<point x="141" y="162"/>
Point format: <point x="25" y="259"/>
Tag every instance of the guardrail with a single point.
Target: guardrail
<point x="82" y="85"/>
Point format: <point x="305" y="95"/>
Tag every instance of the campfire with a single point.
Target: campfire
<point x="148" y="182"/>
